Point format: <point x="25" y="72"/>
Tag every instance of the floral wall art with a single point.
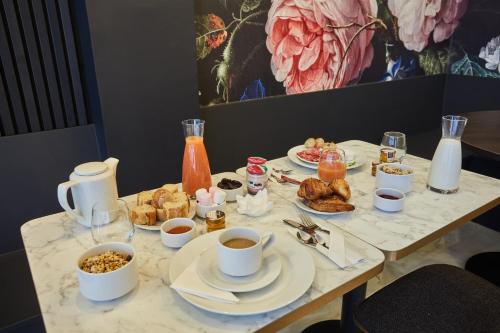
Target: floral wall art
<point x="249" y="49"/>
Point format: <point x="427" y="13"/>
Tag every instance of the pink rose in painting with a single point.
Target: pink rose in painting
<point x="307" y="51"/>
<point x="417" y="19"/>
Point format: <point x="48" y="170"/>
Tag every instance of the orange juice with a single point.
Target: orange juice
<point x="195" y="167"/>
<point x="328" y="170"/>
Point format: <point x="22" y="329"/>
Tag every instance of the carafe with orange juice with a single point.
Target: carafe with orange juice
<point x="332" y="164"/>
<point x="195" y="166"/>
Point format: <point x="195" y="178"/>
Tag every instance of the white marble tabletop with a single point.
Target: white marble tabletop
<point x="426" y="215"/>
<point x="53" y="244"/>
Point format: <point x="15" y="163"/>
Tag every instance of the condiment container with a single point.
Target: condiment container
<point x="256" y="174"/>
<point x="387" y="155"/>
<point x="388" y="199"/>
<point x="177" y="240"/>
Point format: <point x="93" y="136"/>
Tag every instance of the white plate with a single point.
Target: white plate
<point x="292" y="155"/>
<point x="299" y="203"/>
<point x="208" y="270"/>
<point x="157" y="226"/>
<point x="296" y="277"/>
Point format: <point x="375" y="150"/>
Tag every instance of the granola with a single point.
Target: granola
<point x="105" y="262"/>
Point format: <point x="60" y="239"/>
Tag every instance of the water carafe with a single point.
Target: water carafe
<point x="444" y="173"/>
<point x="195" y="166"/>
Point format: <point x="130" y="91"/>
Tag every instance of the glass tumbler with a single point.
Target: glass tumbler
<point x="396" y="141"/>
<point x="111" y="225"/>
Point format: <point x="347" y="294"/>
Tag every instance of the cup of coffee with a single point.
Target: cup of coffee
<point x="239" y="250"/>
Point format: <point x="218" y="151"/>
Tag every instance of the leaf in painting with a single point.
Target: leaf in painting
<point x="467" y="66"/>
<point x="249" y="5"/>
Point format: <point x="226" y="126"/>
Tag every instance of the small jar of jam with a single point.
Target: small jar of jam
<point x="256" y="174"/>
<point x="387" y="155"/>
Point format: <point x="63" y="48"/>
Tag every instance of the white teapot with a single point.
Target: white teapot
<point x="90" y="183"/>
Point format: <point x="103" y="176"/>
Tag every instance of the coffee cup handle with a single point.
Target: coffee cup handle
<point x="267" y="240"/>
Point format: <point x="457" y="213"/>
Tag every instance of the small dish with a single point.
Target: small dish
<point x="389" y="199"/>
<point x="109" y="285"/>
<point x="402" y="183"/>
<point x="208" y="270"/>
<point x="177" y="240"/>
<point x="231" y="193"/>
<point x="202" y="210"/>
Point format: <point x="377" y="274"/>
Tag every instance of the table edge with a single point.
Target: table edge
<point x="401" y="253"/>
<point x="305" y="309"/>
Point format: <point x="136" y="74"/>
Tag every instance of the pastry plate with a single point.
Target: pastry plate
<point x="296" y="277"/>
<point x="354" y="162"/>
<point x="299" y="203"/>
<point x="157" y="226"/>
<point x="210" y="273"/>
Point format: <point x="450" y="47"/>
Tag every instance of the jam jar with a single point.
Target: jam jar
<point x="256" y="174"/>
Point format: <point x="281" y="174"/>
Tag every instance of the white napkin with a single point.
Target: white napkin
<point x="189" y="282"/>
<point x="338" y="252"/>
<point x="254" y="205"/>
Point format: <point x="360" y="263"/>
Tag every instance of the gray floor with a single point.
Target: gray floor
<point x="453" y="249"/>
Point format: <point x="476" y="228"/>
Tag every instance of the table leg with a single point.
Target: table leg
<point x="346" y="323"/>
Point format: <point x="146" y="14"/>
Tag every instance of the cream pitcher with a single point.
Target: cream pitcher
<point x="90" y="183"/>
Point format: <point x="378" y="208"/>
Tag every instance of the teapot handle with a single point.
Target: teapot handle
<point x="62" y="196"/>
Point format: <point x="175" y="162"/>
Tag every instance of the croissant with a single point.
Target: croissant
<point x="332" y="205"/>
<point x="341" y="187"/>
<point x="313" y="188"/>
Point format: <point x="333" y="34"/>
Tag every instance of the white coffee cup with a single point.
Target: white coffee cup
<point x="245" y="261"/>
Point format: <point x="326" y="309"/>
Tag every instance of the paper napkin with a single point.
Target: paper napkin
<point x="254" y="205"/>
<point x="189" y="282"/>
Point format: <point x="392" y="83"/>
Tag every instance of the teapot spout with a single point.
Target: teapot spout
<point x="112" y="163"/>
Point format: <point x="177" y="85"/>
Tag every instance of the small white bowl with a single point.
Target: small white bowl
<point x="231" y="194"/>
<point x="110" y="285"/>
<point x="398" y="182"/>
<point x="177" y="240"/>
<point x="389" y="205"/>
<point x="202" y="210"/>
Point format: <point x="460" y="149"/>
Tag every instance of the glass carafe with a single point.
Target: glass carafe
<point x="446" y="165"/>
<point x="195" y="166"/>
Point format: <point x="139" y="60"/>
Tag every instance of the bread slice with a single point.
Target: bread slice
<point x="161" y="215"/>
<point x="144" y="198"/>
<point x="175" y="209"/>
<point x="172" y="188"/>
<point x="159" y="197"/>
<point x="144" y="214"/>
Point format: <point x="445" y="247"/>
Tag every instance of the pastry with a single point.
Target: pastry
<point x="143" y="214"/>
<point x="160" y="196"/>
<point x="161" y="215"/>
<point x="332" y="205"/>
<point x="173" y="209"/>
<point x="341" y="188"/>
<point x="313" y="188"/>
<point x="319" y="143"/>
<point x="144" y="198"/>
<point x="172" y="188"/>
<point x="310" y="143"/>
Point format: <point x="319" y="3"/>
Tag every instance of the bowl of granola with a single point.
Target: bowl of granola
<point x="396" y="176"/>
<point x="107" y="271"/>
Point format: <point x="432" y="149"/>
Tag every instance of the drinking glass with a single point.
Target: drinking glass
<point x="111" y="225"/>
<point x="332" y="165"/>
<point x="396" y="141"/>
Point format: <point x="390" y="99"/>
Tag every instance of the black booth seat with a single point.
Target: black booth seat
<point x="435" y="298"/>
<point x="19" y="309"/>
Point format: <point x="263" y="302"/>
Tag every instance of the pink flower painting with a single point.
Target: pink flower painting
<point x="309" y="38"/>
<point x="417" y="19"/>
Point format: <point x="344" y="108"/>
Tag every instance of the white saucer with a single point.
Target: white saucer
<point x="210" y="273"/>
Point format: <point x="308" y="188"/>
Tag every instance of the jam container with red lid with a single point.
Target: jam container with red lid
<point x="256" y="174"/>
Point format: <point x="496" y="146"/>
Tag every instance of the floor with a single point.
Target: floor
<point x="453" y="249"/>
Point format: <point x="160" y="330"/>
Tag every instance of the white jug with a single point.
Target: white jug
<point x="90" y="183"/>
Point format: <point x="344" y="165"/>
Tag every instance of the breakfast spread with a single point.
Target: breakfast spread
<point x="104" y="262"/>
<point x="395" y="170"/>
<point x="326" y="197"/>
<point x="162" y="204"/>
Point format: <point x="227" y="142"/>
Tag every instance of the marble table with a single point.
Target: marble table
<point x="427" y="215"/>
<point x="53" y="244"/>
